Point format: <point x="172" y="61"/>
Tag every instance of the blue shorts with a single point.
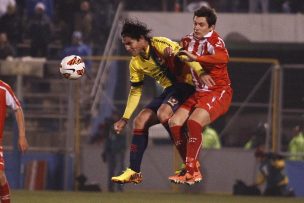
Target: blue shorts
<point x="174" y="95"/>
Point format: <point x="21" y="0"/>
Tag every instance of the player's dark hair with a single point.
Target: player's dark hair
<point x="208" y="13"/>
<point x="135" y="29"/>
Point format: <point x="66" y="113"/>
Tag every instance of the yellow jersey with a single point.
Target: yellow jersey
<point x="165" y="71"/>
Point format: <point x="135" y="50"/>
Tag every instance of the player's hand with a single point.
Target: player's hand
<point x="207" y="80"/>
<point x="120" y="125"/>
<point x="186" y="56"/>
<point x="23" y="145"/>
<point x="168" y="52"/>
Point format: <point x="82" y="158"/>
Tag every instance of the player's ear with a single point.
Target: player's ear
<point x="212" y="27"/>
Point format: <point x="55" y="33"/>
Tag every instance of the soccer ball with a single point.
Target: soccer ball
<point x="72" y="67"/>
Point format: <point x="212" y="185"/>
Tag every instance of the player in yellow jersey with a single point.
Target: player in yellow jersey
<point x="173" y="75"/>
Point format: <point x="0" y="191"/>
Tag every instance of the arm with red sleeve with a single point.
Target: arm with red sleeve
<point x="218" y="53"/>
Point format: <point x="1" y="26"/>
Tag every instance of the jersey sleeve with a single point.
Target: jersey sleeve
<point x="136" y="80"/>
<point x="161" y="43"/>
<point x="133" y="100"/>
<point x="11" y="99"/>
<point x="218" y="53"/>
<point x="136" y="75"/>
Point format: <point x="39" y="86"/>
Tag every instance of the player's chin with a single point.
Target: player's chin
<point x="133" y="52"/>
<point x="198" y="35"/>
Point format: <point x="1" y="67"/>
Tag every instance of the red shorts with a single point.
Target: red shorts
<point x="1" y="159"/>
<point x="216" y="103"/>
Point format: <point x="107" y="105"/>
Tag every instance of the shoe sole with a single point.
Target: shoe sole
<point x="197" y="180"/>
<point x="135" y="179"/>
<point x="124" y="182"/>
<point x="175" y="181"/>
<point x="193" y="182"/>
<point x="185" y="182"/>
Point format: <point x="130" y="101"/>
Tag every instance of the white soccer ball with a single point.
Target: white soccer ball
<point x="72" y="67"/>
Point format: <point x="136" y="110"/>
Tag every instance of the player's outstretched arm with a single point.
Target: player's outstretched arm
<point x="22" y="141"/>
<point x="187" y="56"/>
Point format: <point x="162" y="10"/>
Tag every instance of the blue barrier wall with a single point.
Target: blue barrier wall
<point x="55" y="169"/>
<point x="295" y="172"/>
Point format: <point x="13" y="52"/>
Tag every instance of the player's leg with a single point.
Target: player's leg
<point x="141" y="124"/>
<point x="174" y="99"/>
<point x="176" y="123"/>
<point x="197" y="120"/>
<point x="178" y="136"/>
<point x="209" y="107"/>
<point x="164" y="113"/>
<point x="4" y="186"/>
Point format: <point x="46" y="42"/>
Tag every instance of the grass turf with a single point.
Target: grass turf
<point x="138" y="197"/>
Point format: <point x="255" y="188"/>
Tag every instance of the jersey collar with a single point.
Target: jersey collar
<point x="205" y="36"/>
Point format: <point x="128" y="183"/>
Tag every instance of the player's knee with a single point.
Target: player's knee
<point x="138" y="123"/>
<point x="163" y="117"/>
<point x="141" y="122"/>
<point x="2" y="177"/>
<point x="174" y="121"/>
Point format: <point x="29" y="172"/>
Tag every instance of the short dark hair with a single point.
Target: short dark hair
<point x="208" y="13"/>
<point x="135" y="29"/>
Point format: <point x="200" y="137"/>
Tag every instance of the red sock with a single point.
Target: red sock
<point x="180" y="141"/>
<point x="195" y="140"/>
<point x="5" y="193"/>
<point x="191" y="165"/>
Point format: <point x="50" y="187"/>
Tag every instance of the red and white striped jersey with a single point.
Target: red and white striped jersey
<point x="7" y="99"/>
<point x="213" y="56"/>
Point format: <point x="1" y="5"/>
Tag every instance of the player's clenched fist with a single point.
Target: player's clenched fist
<point x="120" y="125"/>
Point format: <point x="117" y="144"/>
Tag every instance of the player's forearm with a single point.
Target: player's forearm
<point x="20" y="122"/>
<point x="133" y="100"/>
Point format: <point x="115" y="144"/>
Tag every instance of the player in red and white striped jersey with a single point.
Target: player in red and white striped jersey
<point x="8" y="99"/>
<point x="213" y="92"/>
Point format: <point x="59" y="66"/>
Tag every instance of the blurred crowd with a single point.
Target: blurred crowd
<point x="44" y="28"/>
<point x="223" y="6"/>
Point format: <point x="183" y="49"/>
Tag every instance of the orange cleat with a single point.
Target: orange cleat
<point x="185" y="178"/>
<point x="197" y="176"/>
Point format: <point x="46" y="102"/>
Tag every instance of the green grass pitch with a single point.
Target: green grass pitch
<point x="138" y="197"/>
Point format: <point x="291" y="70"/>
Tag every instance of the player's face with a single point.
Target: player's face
<point x="201" y="27"/>
<point x="134" y="46"/>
